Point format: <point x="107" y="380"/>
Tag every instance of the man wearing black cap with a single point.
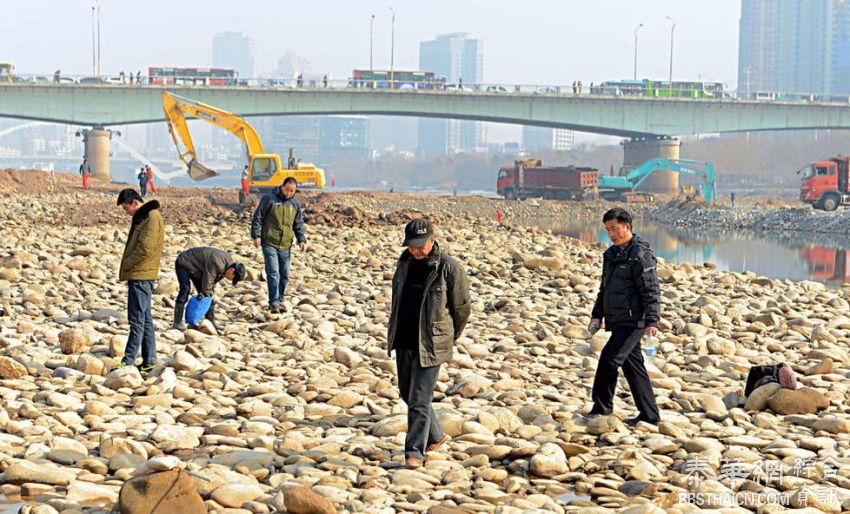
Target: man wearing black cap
<point x="430" y="307"/>
<point x="204" y="267"/>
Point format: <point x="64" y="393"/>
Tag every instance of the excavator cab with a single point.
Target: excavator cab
<point x="264" y="167"/>
<point x="6" y="72"/>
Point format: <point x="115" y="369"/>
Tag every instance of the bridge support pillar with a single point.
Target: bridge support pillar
<point x="96" y="141"/>
<point x="638" y="151"/>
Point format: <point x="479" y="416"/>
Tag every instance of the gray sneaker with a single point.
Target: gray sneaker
<point x="179" y="326"/>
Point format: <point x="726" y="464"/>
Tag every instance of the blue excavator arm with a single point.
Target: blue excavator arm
<point x="687" y="166"/>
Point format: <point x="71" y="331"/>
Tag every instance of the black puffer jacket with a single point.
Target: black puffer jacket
<point x="629" y="293"/>
<point x="206" y="265"/>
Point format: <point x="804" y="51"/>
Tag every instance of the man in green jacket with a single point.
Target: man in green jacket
<point x="140" y="268"/>
<point x="275" y="225"/>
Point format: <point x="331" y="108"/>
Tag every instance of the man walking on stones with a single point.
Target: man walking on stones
<point x="430" y="307"/>
<point x="276" y="224"/>
<point x="140" y="268"/>
<point x="151" y="185"/>
<point x="203" y="267"/>
<point x="629" y="301"/>
<point x="142" y="177"/>
<point x="85" y="172"/>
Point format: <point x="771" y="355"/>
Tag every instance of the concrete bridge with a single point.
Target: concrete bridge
<point x="649" y="122"/>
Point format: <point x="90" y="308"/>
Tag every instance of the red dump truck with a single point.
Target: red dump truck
<point x="527" y="178"/>
<point x="826" y="184"/>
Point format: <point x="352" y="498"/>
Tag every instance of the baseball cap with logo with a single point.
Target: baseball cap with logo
<point x="417" y="232"/>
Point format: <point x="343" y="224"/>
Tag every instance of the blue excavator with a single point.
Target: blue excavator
<point x="619" y="187"/>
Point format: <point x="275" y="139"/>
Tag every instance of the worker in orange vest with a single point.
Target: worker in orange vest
<point x="151" y="185"/>
<point x="246" y="186"/>
<point x="85" y="172"/>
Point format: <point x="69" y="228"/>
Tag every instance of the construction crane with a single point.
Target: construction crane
<point x="265" y="170"/>
<point x="615" y="187"/>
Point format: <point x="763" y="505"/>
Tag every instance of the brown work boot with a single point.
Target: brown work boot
<point x="413" y="462"/>
<point x="432" y="447"/>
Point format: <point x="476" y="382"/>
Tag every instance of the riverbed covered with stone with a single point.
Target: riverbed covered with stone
<point x="299" y="412"/>
<point x="753" y="216"/>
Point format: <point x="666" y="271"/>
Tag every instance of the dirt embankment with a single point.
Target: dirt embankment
<point x="191" y="205"/>
<point x="16" y="182"/>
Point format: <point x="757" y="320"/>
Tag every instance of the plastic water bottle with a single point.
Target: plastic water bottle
<point x="650" y="349"/>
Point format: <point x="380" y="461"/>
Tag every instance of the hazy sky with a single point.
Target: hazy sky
<point x="532" y="41"/>
<point x="527" y="42"/>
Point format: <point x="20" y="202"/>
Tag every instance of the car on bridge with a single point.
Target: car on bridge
<point x="458" y="87"/>
<point x="495" y="88"/>
<point x="100" y="80"/>
<point x="548" y="90"/>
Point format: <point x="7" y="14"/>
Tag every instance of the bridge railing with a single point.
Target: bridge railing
<point x="690" y="91"/>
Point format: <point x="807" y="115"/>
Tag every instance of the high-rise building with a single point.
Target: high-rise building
<point x="344" y="136"/>
<point x="563" y="140"/>
<point x="301" y="133"/>
<point x="461" y="60"/>
<point x="394" y="133"/>
<point x="789" y="46"/>
<point x="318" y="138"/>
<point x="542" y="138"/>
<point x="290" y="64"/>
<point x="157" y="139"/>
<point x="841" y="48"/>
<point x="234" y="50"/>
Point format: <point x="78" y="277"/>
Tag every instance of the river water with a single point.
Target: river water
<point x="784" y="255"/>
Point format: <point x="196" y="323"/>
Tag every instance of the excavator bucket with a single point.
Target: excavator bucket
<point x="200" y="172"/>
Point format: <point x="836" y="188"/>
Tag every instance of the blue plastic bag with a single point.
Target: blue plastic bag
<point x="197" y="309"/>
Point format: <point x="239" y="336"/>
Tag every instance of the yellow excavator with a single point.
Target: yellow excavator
<point x="265" y="170"/>
<point x="6" y="70"/>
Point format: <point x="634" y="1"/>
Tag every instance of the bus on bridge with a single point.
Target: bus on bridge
<point x="192" y="76"/>
<point x="661" y="88"/>
<point x="397" y="79"/>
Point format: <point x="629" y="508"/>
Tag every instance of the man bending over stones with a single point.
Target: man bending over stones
<point x="140" y="268"/>
<point x="204" y="267"/>
<point x="430" y="307"/>
<point x="629" y="300"/>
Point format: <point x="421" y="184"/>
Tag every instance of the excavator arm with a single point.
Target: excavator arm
<point x="177" y="109"/>
<point x="265" y="170"/>
<point x="683" y="166"/>
<point x="637" y="176"/>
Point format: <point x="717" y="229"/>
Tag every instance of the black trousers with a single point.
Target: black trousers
<point x="623" y="350"/>
<point x="416" y="385"/>
<point x="185" y="282"/>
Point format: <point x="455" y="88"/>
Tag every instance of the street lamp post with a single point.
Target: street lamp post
<point x="93" y="43"/>
<point x="392" y="47"/>
<point x="371" y="32"/>
<point x="672" y="30"/>
<point x="636" y="31"/>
